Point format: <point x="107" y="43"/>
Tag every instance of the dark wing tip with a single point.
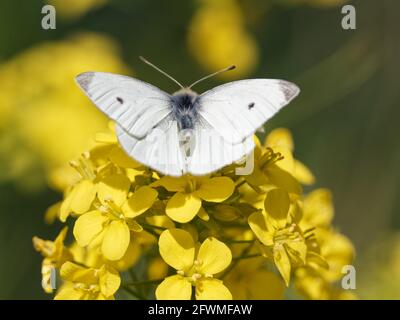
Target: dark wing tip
<point x="84" y="79"/>
<point x="289" y="89"/>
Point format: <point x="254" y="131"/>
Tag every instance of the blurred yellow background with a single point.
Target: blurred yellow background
<point x="344" y="122"/>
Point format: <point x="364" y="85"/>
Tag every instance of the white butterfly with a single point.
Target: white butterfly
<point x="186" y="132"/>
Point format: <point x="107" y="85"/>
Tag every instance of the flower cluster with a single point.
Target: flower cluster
<point x="220" y="236"/>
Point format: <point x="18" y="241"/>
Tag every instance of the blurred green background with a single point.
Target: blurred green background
<point x="345" y="122"/>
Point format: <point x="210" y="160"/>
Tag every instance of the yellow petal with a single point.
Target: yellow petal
<point x="183" y="207"/>
<point x="82" y="196"/>
<point x="133" y="225"/>
<point x="53" y="212"/>
<point x="282" y="262"/>
<point x="116" y="240"/>
<point x="171" y="183"/>
<point x="109" y="280"/>
<point x="297" y="251"/>
<point x="287" y="163"/>
<point x="257" y="177"/>
<point x="283" y="179"/>
<point x="212" y="289"/>
<point x="68" y="292"/>
<point x="88" y="226"/>
<point x="72" y="272"/>
<point x="203" y="215"/>
<point x="96" y="242"/>
<point x="302" y="173"/>
<point x="69" y="269"/>
<point x="65" y="207"/>
<point x="259" y="227"/>
<point x="141" y="200"/>
<point x="213" y="257"/>
<point x="115" y="188"/>
<point x="59" y="241"/>
<point x="277" y="205"/>
<point x="174" y="288"/>
<point x="280" y="137"/>
<point x="177" y="248"/>
<point x="216" y="189"/>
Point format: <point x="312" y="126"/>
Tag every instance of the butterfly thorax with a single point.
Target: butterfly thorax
<point x="185" y="108"/>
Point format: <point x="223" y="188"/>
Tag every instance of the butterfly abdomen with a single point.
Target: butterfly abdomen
<point x="185" y="109"/>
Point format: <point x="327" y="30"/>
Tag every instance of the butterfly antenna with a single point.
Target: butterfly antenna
<point x="161" y="71"/>
<point x="212" y="75"/>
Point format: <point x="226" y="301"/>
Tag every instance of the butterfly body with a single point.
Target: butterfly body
<point x="184" y="104"/>
<point x="186" y="132"/>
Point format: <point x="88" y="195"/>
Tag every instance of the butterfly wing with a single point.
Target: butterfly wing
<point x="135" y="105"/>
<point x="212" y="152"/>
<point x="237" y="109"/>
<point x="160" y="149"/>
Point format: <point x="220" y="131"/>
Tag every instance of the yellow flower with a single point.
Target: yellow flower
<point x="110" y="225"/>
<point x="217" y="37"/>
<point x="88" y="283"/>
<point x="267" y="174"/>
<point x="123" y="209"/>
<point x="279" y="233"/>
<point x="324" y="265"/>
<point x="80" y="197"/>
<point x="190" y="191"/>
<point x="337" y="250"/>
<point x="281" y="141"/>
<point x="54" y="253"/>
<point x="178" y="249"/>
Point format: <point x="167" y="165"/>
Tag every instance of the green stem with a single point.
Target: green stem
<point x="151" y="231"/>
<point x="240" y="184"/>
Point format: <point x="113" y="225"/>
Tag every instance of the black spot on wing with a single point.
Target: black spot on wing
<point x="120" y="100"/>
<point x="251" y="105"/>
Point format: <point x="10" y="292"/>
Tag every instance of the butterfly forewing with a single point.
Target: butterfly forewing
<point x="237" y="109"/>
<point x="135" y="105"/>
